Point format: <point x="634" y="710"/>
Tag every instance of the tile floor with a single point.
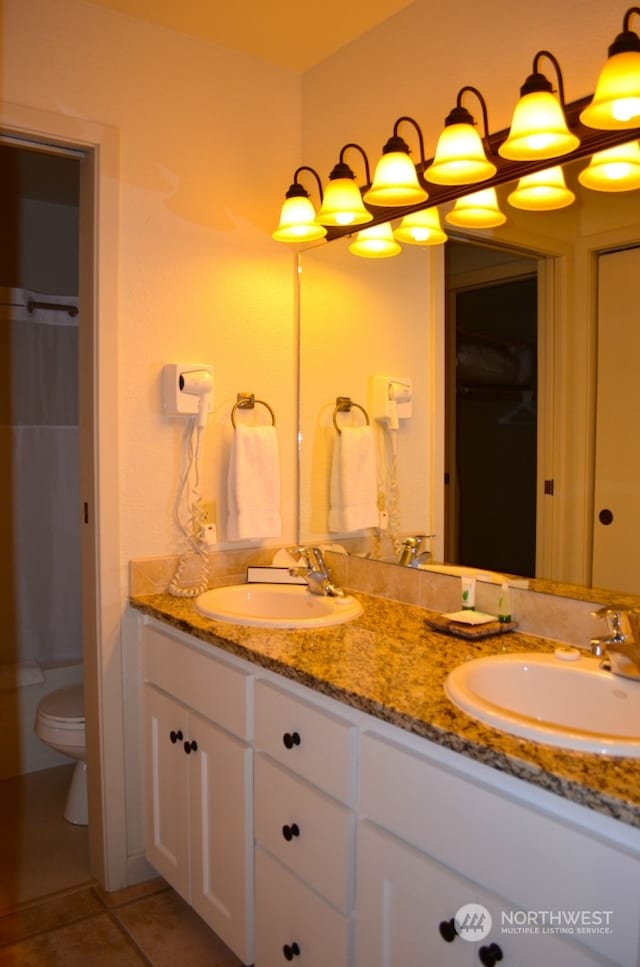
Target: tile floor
<point x="53" y="915"/>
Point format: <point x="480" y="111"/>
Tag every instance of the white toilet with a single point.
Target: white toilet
<point x="60" y="723"/>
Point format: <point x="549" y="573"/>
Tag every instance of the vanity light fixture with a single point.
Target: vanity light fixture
<point x="460" y="157"/>
<point x="615" y="169"/>
<point x="421" y="228"/>
<point x="480" y="209"/>
<point x="616" y="102"/>
<point x="543" y="191"/>
<point x="539" y="127"/>
<point x="342" y="202"/>
<point x="395" y="181"/>
<point x="376" y="242"/>
<point x="297" y="216"/>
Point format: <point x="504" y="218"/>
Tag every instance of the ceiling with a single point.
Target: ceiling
<point x="294" y="34"/>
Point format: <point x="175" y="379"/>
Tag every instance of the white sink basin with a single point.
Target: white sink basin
<point x="573" y="704"/>
<point x="276" y="606"/>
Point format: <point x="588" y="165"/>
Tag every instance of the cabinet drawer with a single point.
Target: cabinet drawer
<point x="311" y="834"/>
<point x="210" y="686"/>
<point x="287" y="913"/>
<point x="492" y="838"/>
<point x="312" y="742"/>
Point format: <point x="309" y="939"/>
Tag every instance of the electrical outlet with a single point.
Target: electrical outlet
<point x="208" y="512"/>
<point x="210" y="534"/>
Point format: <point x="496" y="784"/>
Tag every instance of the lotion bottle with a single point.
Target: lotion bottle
<point x="504" y="604"/>
<point x="468" y="592"/>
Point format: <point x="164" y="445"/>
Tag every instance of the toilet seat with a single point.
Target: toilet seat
<point x="63" y="709"/>
<point x="60" y="721"/>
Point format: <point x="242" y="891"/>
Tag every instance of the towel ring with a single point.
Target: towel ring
<point x="247" y="401"/>
<point x="344" y="404"/>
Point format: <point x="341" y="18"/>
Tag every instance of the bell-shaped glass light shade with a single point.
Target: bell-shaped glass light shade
<point x="538" y="129"/>
<point x="342" y="204"/>
<point x="395" y="182"/>
<point x="421" y="228"/>
<point x="297" y="222"/>
<point x="615" y="169"/>
<point x="616" y="102"/>
<point x="376" y="242"/>
<point x="543" y="191"/>
<point x="480" y="209"/>
<point x="460" y="158"/>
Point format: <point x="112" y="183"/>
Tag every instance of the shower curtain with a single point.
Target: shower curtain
<point x="39" y="486"/>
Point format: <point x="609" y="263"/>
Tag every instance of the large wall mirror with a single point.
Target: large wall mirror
<point x="519" y="345"/>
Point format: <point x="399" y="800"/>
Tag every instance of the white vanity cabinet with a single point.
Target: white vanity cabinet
<point x="432" y="840"/>
<point x="304" y="798"/>
<point x="357" y="842"/>
<point x="198" y="783"/>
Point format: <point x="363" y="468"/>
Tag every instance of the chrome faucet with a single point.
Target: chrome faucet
<point x="315" y="572"/>
<point x="618" y="642"/>
<point x="411" y="554"/>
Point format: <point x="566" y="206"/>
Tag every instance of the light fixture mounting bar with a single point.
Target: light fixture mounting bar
<point x="592" y="140"/>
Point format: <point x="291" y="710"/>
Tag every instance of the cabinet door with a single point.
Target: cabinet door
<point x="166" y="789"/>
<point x="221" y="833"/>
<point x="616" y="525"/>
<point x="403" y="897"/>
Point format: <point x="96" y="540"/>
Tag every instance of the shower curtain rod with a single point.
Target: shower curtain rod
<point x="72" y="310"/>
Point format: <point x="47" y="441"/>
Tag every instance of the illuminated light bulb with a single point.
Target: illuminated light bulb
<point x="342" y="204"/>
<point x="538" y="129"/>
<point x="395" y="182"/>
<point x="542" y="191"/>
<point x="421" y="228"/>
<point x="460" y="158"/>
<point x="616" y="102"/>
<point x="615" y="169"/>
<point x="376" y="242"/>
<point x="297" y="219"/>
<point x="480" y="209"/>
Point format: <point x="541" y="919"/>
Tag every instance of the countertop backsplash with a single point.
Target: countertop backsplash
<point x="546" y="609"/>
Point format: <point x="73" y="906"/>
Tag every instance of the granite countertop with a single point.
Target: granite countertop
<point x="392" y="665"/>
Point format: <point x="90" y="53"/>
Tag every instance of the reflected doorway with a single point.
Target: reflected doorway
<point x="491" y="401"/>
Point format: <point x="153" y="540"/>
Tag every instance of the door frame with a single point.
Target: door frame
<point x="103" y="590"/>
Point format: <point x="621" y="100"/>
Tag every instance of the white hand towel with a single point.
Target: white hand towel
<point x="353" y="500"/>
<point x="253" y="486"/>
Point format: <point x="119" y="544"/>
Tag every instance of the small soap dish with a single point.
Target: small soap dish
<point x="488" y="625"/>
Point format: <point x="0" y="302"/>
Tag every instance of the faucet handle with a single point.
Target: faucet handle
<point x="612" y="614"/>
<point x="300" y="553"/>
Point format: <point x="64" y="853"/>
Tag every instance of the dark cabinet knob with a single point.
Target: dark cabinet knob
<point x="190" y="747"/>
<point x="448" y="930"/>
<point x="290" y="739"/>
<point x="488" y="956"/>
<point x="175" y="736"/>
<point x="290" y="831"/>
<point x="605" y="517"/>
<point x="291" y="950"/>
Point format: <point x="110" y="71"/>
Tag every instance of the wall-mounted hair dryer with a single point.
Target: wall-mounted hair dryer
<point x="392" y="398"/>
<point x="198" y="382"/>
<point x="188" y="390"/>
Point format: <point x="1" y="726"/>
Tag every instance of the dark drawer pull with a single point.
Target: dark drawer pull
<point x="175" y="736"/>
<point x="190" y="747"/>
<point x="448" y="930"/>
<point x="291" y="950"/>
<point x="290" y="831"/>
<point x="290" y="739"/>
<point x="489" y="956"/>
